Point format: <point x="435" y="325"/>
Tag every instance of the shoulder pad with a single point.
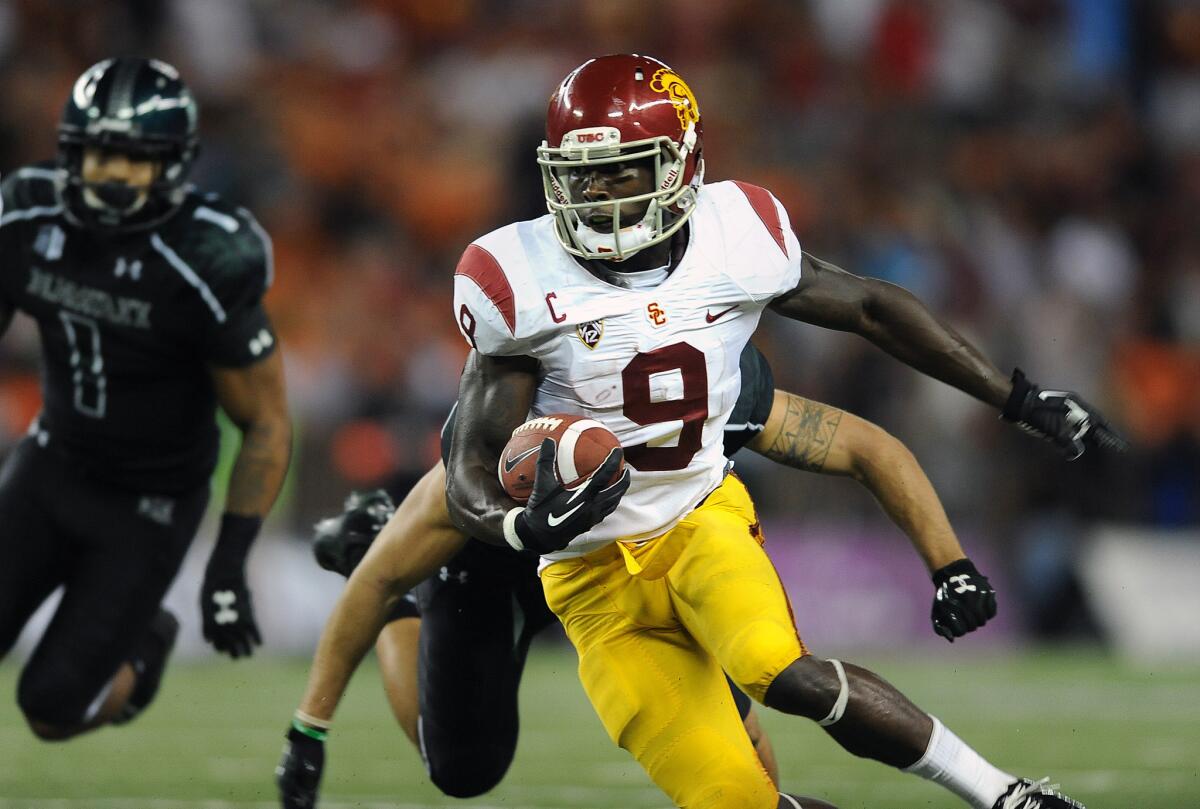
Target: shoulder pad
<point x="497" y="299"/>
<point x="30" y="191"/>
<point x="760" y="231"/>
<point x="224" y="244"/>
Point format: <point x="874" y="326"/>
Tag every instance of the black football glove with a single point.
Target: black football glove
<point x="225" y="606"/>
<point x="963" y="601"/>
<point x="554" y="514"/>
<point x="340" y="542"/>
<point x="1060" y="417"/>
<point x="298" y="773"/>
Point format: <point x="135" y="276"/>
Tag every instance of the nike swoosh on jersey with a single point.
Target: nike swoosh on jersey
<point x="709" y="317"/>
<point x="511" y="463"/>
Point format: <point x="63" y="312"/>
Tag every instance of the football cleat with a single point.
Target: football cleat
<point x="149" y="661"/>
<point x="340" y="543"/>
<point x="1027" y="794"/>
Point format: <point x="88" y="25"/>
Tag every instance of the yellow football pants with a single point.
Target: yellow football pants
<point x="655" y="625"/>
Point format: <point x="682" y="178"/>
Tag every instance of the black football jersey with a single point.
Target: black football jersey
<point x="130" y="324"/>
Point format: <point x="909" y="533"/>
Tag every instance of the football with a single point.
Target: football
<point x="582" y="444"/>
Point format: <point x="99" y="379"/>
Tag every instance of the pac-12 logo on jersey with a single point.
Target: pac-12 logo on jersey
<point x="590" y="332"/>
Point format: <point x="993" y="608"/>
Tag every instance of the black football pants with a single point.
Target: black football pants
<point x="114" y="552"/>
<point x="478" y="617"/>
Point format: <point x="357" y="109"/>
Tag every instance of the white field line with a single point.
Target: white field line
<point x="163" y="803"/>
<point x="535" y="797"/>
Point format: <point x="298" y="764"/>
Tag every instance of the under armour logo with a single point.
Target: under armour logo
<point x="445" y="575"/>
<point x="225" y="599"/>
<point x="962" y="584"/>
<point x="261" y="342"/>
<point x="131" y="268"/>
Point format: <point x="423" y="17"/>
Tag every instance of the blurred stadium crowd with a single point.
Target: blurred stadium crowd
<point x="1030" y="168"/>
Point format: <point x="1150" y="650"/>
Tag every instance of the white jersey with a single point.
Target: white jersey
<point x="658" y="367"/>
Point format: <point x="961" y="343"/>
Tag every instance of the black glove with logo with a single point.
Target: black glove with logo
<point x="298" y="773"/>
<point x="340" y="542"/>
<point x="964" y="600"/>
<point x="225" y="604"/>
<point x="555" y="514"/>
<point x="1060" y="417"/>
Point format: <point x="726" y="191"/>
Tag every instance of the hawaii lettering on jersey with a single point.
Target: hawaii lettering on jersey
<point x="96" y="303"/>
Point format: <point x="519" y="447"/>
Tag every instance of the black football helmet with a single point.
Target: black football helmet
<point x="138" y="107"/>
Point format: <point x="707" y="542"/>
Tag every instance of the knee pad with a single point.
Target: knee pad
<point x="468" y="773"/>
<point x="755" y="655"/>
<point x="463" y="770"/>
<point x="55" y="702"/>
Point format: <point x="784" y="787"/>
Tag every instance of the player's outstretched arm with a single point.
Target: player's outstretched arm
<point x="895" y="320"/>
<point x="417" y="540"/>
<point x="255" y="400"/>
<point x="815" y="437"/>
<point x="494" y="397"/>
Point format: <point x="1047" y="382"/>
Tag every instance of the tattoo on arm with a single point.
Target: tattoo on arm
<point x="805" y="435"/>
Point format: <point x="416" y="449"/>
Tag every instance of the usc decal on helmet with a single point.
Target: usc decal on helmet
<point x="668" y="81"/>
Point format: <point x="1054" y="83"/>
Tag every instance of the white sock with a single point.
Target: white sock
<point x="948" y="761"/>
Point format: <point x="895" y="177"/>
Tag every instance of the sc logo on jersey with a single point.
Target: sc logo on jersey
<point x="656" y="315"/>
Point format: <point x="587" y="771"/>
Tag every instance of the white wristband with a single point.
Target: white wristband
<point x="510" y="529"/>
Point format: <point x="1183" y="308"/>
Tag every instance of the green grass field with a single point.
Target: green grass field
<point x="1117" y="737"/>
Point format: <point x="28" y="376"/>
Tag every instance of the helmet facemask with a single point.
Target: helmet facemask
<point x="671" y="200"/>
<point x="115" y="205"/>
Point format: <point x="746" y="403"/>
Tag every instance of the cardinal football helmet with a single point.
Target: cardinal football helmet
<point x="618" y="108"/>
<point x="139" y="107"/>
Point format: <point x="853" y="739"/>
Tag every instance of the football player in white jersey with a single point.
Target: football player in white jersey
<point x="478" y="607"/>
<point x="630" y="303"/>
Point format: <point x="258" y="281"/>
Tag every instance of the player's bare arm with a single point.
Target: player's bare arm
<point x="494" y="397"/>
<point x="894" y="319"/>
<point x="417" y="540"/>
<point x="816" y="437"/>
<point x="255" y="400"/>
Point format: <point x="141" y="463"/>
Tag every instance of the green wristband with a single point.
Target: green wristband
<point x="310" y="732"/>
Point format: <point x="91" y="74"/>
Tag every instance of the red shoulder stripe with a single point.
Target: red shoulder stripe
<point x="481" y="267"/>
<point x="764" y="206"/>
